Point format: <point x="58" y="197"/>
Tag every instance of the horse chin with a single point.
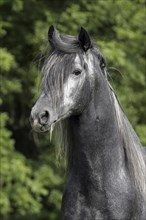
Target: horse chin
<point x="40" y="128"/>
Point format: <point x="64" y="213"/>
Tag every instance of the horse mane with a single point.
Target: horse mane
<point x="136" y="162"/>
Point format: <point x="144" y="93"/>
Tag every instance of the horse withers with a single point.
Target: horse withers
<point x="107" y="169"/>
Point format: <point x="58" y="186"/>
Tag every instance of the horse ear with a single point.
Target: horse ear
<point x="50" y="32"/>
<point x="84" y="39"/>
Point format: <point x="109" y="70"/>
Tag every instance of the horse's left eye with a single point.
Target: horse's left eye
<point x="76" y="72"/>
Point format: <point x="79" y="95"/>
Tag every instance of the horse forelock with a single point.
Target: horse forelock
<point x="55" y="71"/>
<point x="58" y="65"/>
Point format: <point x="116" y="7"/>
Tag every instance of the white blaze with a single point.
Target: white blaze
<point x="71" y="85"/>
<point x="68" y="91"/>
<point x="88" y="58"/>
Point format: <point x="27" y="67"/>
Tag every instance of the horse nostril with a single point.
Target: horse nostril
<point x="44" y="117"/>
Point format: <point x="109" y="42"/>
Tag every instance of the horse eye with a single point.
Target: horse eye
<point x="76" y="72"/>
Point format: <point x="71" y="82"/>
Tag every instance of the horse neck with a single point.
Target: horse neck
<point x="97" y="143"/>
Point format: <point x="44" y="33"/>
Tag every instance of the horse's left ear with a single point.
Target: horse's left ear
<point x="84" y="39"/>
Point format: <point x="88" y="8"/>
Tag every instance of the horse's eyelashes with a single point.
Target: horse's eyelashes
<point x="77" y="72"/>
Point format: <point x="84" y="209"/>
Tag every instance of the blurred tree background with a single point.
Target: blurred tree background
<point x="30" y="179"/>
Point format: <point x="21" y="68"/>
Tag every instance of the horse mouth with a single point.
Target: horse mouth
<point x="48" y="127"/>
<point x="44" y="128"/>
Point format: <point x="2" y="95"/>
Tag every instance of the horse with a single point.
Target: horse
<point x="106" y="161"/>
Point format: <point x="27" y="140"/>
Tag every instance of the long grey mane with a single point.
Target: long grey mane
<point x="62" y="46"/>
<point x="136" y="160"/>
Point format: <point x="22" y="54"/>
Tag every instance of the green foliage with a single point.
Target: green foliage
<point x="26" y="184"/>
<point x="31" y="183"/>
